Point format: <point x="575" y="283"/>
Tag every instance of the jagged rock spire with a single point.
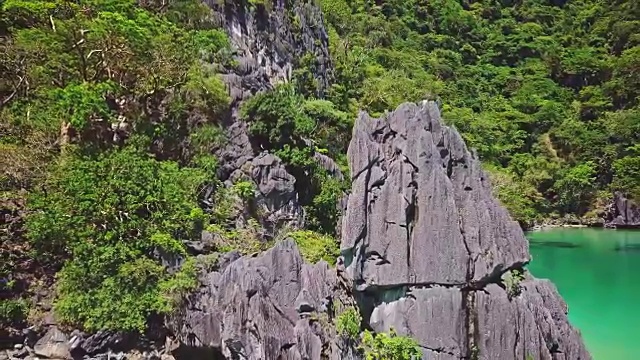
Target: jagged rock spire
<point x="421" y="209"/>
<point x="427" y="244"/>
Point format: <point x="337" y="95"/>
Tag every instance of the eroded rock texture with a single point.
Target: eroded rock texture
<point x="426" y="244"/>
<point x="623" y="213"/>
<point x="267" y="307"/>
<point x="277" y="196"/>
<point x="269" y="39"/>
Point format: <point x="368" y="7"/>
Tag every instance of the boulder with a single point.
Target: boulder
<point x="53" y="345"/>
<point x="622" y="212"/>
<point x="276" y="187"/>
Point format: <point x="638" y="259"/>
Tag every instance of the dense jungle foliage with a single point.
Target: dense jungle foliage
<point x="106" y="212"/>
<point x="547" y="91"/>
<point x="110" y="110"/>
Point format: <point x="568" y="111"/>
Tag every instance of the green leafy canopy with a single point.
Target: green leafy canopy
<point x="116" y="230"/>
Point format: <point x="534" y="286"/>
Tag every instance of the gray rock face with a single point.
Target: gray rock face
<point x="53" y="345"/>
<point x="268" y="39"/>
<point x="329" y="165"/>
<point x="533" y="324"/>
<point x="415" y="310"/>
<point x="278" y="197"/>
<point x="421" y="209"/>
<point x="265" y="307"/>
<point x="623" y="213"/>
<point x="426" y="244"/>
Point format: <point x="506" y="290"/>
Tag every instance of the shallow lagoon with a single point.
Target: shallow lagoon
<point x="597" y="272"/>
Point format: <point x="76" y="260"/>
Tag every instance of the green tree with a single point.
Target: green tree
<point x="315" y="247"/>
<point x="575" y="187"/>
<point x="348" y="323"/>
<point x="383" y="346"/>
<point x="549" y="80"/>
<point x="295" y="129"/>
<point x="626" y="175"/>
<point x="116" y="230"/>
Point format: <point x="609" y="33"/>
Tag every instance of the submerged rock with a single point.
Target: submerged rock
<point x="426" y="244"/>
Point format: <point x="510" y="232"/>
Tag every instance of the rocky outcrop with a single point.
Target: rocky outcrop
<point x="269" y="38"/>
<point x="421" y="209"/>
<point x="622" y="213"/>
<point x="53" y="345"/>
<point x="277" y="198"/>
<point x="426" y="251"/>
<point x="427" y="246"/>
<point x="273" y="306"/>
<point x="103" y="345"/>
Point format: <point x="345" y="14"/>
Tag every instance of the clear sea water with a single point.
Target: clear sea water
<point x="597" y="272"/>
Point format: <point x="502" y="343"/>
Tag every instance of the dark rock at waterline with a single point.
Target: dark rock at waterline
<point x="428" y="246"/>
<point x="628" y="248"/>
<point x="623" y="213"/>
<point x="100" y="342"/>
<point x="264" y="307"/>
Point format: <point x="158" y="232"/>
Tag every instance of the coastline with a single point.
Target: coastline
<point x="582" y="223"/>
<point x="542" y="227"/>
<point x="567" y="222"/>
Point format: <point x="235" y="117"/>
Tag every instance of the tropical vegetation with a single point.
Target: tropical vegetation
<point x="110" y="111"/>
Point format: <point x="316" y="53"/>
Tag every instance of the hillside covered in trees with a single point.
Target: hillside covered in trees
<point x="546" y="91"/>
<point x="112" y="113"/>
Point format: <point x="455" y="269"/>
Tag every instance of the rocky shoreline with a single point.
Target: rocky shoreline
<point x="621" y="213"/>
<point x="567" y="223"/>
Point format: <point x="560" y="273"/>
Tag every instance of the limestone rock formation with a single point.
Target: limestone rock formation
<point x="277" y="194"/>
<point x="623" y="213"/>
<point x="427" y="245"/>
<point x="53" y="345"/>
<point x="266" y="307"/>
<point x="267" y="43"/>
<point x="268" y="39"/>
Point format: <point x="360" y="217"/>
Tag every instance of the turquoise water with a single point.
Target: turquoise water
<point x="597" y="272"/>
